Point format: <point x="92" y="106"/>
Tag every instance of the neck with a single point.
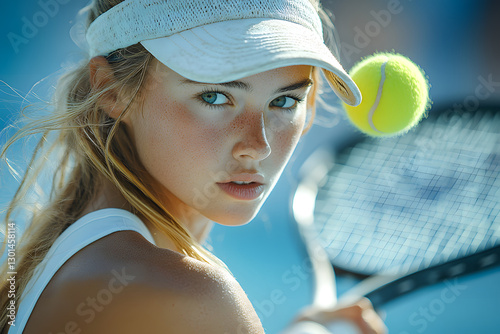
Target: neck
<point x="107" y="197"/>
<point x="197" y="225"/>
<point x="198" y="228"/>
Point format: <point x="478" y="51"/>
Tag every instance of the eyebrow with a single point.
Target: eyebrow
<point x="301" y="84"/>
<point x="245" y="86"/>
<point x="230" y="84"/>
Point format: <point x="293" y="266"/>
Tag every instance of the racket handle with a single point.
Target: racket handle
<point x="311" y="327"/>
<point x="306" y="327"/>
<point x="343" y="327"/>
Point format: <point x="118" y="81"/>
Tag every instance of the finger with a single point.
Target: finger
<point x="367" y="319"/>
<point x="362" y="315"/>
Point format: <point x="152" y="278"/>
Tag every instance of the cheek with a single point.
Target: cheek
<point x="196" y="138"/>
<point x="285" y="132"/>
<point x="171" y="138"/>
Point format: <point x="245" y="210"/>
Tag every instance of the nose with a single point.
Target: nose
<point x="253" y="143"/>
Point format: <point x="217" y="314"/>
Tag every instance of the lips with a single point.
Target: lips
<point x="245" y="186"/>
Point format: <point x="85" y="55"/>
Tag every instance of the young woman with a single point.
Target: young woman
<point x="178" y="98"/>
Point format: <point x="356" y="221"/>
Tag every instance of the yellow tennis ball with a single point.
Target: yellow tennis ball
<point x="395" y="95"/>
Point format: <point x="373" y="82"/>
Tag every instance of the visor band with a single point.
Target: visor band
<point x="133" y="21"/>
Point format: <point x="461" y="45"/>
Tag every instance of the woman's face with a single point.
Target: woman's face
<point x="219" y="149"/>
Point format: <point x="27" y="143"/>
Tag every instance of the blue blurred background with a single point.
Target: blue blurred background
<point x="455" y="42"/>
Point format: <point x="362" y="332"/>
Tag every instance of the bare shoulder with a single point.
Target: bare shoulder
<point x="124" y="284"/>
<point x="197" y="298"/>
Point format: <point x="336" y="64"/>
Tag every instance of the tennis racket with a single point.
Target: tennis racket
<point x="407" y="212"/>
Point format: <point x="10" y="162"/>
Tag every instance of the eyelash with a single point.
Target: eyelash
<point x="208" y="91"/>
<point x="298" y="100"/>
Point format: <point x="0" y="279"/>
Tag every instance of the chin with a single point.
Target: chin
<point x="234" y="218"/>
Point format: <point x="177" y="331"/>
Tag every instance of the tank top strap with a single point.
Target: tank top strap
<point x="81" y="233"/>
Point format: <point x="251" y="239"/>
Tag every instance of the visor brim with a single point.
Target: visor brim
<point x="231" y="50"/>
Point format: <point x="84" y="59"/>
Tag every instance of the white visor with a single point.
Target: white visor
<point x="232" y="40"/>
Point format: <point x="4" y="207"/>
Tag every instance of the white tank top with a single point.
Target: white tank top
<point x="81" y="233"/>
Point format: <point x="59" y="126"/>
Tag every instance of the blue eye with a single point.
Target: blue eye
<point x="284" y="102"/>
<point x="214" y="98"/>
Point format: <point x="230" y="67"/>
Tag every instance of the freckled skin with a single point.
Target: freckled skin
<point x="188" y="146"/>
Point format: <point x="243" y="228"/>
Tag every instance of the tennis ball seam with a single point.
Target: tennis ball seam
<point x="377" y="99"/>
<point x="395" y="97"/>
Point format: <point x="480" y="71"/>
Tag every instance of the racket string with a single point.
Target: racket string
<point x="413" y="201"/>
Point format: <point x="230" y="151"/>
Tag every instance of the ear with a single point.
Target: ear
<point x="101" y="77"/>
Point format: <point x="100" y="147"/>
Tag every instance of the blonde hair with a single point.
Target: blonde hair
<point x="92" y="148"/>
